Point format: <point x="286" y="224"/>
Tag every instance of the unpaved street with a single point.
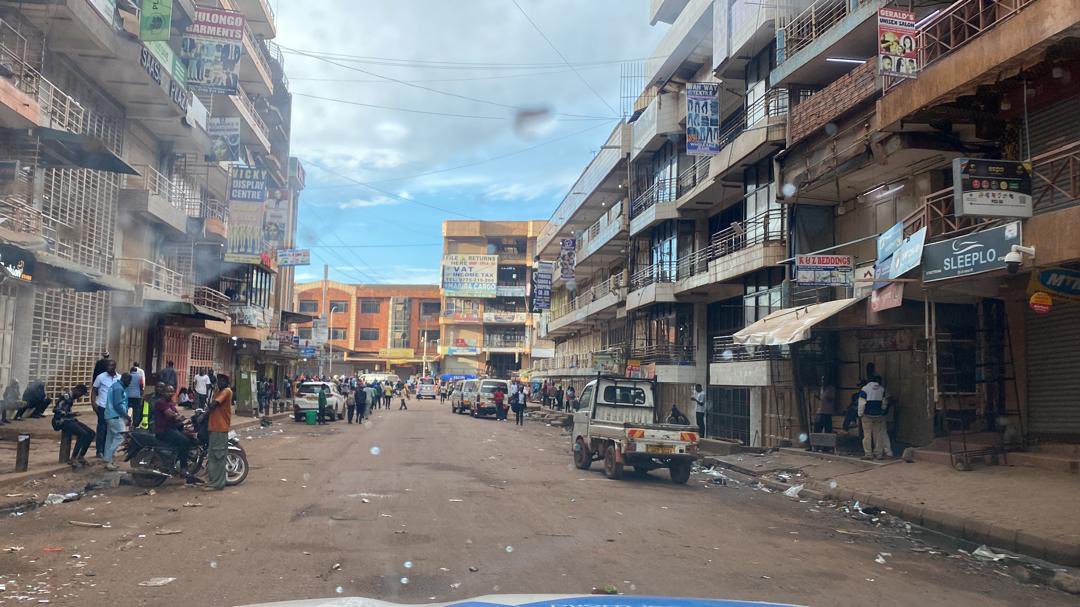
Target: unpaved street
<point x="404" y="508"/>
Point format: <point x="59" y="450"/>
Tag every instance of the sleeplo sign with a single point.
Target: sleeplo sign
<point x="970" y="254"/>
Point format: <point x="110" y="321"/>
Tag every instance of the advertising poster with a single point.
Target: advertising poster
<point x="1059" y="282"/>
<point x="702" y="118"/>
<point x="470" y="275"/>
<point x="824" y="270"/>
<point x="245" y="243"/>
<point x="897" y="53"/>
<point x="293" y="257"/>
<point x="991" y="188"/>
<point x="156" y="20"/>
<point x="909" y="255"/>
<point x="970" y="254"/>
<point x="224" y="139"/>
<point x="541" y="291"/>
<point x="212" y="47"/>
<point x="247" y="184"/>
<point x="567" y="258"/>
<point x="275" y="223"/>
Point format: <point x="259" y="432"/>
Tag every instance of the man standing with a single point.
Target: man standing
<point x="202" y="388"/>
<point x="64" y="421"/>
<point x="100" y="393"/>
<point x="322" y="404"/>
<point x="135" y="394"/>
<point x="826" y="408"/>
<point x="11" y="400"/>
<point x="116" y="406"/>
<point x="499" y="398"/>
<point x="872" y="410"/>
<point x="350" y="407"/>
<point x="372" y="398"/>
<point x="699" y="408"/>
<point x="559" y="397"/>
<point x="100" y="365"/>
<point x="168" y="375"/>
<point x="218" y="426"/>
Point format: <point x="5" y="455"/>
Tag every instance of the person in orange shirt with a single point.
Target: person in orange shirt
<point x="218" y="426"/>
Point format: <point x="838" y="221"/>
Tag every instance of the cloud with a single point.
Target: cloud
<point x="364" y="203"/>
<point x="392" y="131"/>
<point x="511" y="191"/>
<point x="306" y="276"/>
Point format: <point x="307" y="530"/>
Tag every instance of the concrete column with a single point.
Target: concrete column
<point x="756" y="421"/>
<point x="701" y="345"/>
<point x="24" y="326"/>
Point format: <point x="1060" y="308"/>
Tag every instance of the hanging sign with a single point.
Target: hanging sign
<point x="470" y="275"/>
<point x="567" y="258"/>
<point x="970" y="254"/>
<point x="17" y="263"/>
<point x="293" y="257"/>
<point x="702" y="118"/>
<point x="224" y="139"/>
<point x="247" y="184"/>
<point x="1040" y="302"/>
<point x="1059" y="282"/>
<point x="212" y="47"/>
<point x="991" y="188"/>
<point x="824" y="270"/>
<point x="276" y="218"/>
<point x="897" y="55"/>
<point x="156" y="20"/>
<point x="541" y="288"/>
<point x="891" y="296"/>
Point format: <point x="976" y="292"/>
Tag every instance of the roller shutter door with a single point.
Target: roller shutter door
<point x="1053" y="370"/>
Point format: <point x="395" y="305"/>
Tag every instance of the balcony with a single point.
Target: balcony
<point x="504" y="344"/>
<point x="260" y="16"/>
<point x="740" y="249"/>
<point x="732" y="364"/>
<point x="455" y="311"/>
<point x="152" y="280"/>
<point x="154" y="196"/>
<point x="937" y="215"/>
<point x="1056" y="178"/>
<point x="666" y="11"/>
<point x="253" y="130"/>
<point x="510" y="290"/>
<point x="210" y="299"/>
<point x="650" y="130"/>
<point x="497" y="317"/>
<point x="583" y="364"/>
<point x="601" y="234"/>
<point x="255" y="73"/>
<point x="752" y="26"/>
<point x="600" y="301"/>
<point x="687" y="41"/>
<point x="827" y="28"/>
<point x="830" y="103"/>
<point x="654" y="205"/>
<point x="664" y="354"/>
<point x="654" y="283"/>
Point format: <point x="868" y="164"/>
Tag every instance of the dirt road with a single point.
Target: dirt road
<point x="405" y="508"/>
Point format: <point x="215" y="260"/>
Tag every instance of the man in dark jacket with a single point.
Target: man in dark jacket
<point x="64" y="421"/>
<point x="34" y="398"/>
<point x="168" y="376"/>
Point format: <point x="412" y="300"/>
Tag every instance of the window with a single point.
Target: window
<point x="624" y="395"/>
<point x="586" y="399"/>
<point x="369" y="306"/>
<point x="369" y="334"/>
<point x="337" y="333"/>
<point x="304" y="332"/>
<point x="429" y="308"/>
<point x="399" y="322"/>
<point x="309" y="306"/>
<point x="339" y="306"/>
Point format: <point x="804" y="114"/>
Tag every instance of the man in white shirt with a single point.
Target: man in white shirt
<point x="202" y="388"/>
<point x="100" y="396"/>
<point x="699" y="408"/>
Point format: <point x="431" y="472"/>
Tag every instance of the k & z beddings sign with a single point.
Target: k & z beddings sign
<point x="824" y="270"/>
<point x="702" y="118"/>
<point x="470" y="275"/>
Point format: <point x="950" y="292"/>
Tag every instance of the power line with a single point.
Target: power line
<point x="458" y="65"/>
<point x="400" y="109"/>
<point x="372" y="246"/>
<point x="468" y="79"/>
<point x="563" y="57"/>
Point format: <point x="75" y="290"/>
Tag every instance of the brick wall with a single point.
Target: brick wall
<point x="831" y="102"/>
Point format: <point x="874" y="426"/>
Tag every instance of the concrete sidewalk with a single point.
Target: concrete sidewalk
<point x="1020" y="509"/>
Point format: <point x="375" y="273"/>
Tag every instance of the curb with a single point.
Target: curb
<point x="981" y="532"/>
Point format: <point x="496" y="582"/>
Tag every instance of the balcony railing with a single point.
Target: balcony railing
<point x="664" y="354"/>
<point x="587" y="296"/>
<point x="150" y="179"/>
<point x="246" y="102"/>
<point x="273" y="51"/>
<point x="696" y="174"/>
<point x="812" y="23"/>
<point x="659" y="272"/>
<point x="937" y="215"/>
<point x="582" y="360"/>
<point x="210" y="298"/>
<point x="260" y="55"/>
<point x="151" y="275"/>
<point x="769" y="226"/>
<point x="961" y="23"/>
<point x="725" y="350"/>
<point x="663" y="190"/>
<point x="502" y="341"/>
<point x="1056" y="178"/>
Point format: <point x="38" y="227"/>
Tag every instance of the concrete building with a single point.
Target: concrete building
<point x="375" y="327"/>
<point x="488" y="334"/>
<point x="110" y="192"/>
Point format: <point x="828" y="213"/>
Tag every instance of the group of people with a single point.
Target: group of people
<point x="869" y="407"/>
<point x="517" y="401"/>
<point x="554" y="396"/>
<point x="361" y="397"/>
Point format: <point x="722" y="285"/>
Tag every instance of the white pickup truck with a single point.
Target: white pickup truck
<point x="618" y="424"/>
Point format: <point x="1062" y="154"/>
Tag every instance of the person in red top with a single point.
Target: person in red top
<point x="218" y="425"/>
<point x="169" y="428"/>
<point x="499" y="398"/>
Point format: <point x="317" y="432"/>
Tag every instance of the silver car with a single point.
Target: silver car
<point x="464" y="396"/>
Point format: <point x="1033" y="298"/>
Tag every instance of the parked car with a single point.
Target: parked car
<point x="484" y="403"/>
<point x="307" y="399"/>
<point x="464" y="396"/>
<point x="426" y="388"/>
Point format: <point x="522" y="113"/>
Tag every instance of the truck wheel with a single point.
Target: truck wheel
<point x="612" y="469"/>
<point x="680" y="473"/>
<point x="582" y="457"/>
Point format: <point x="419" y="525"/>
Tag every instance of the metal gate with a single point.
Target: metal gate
<point x="177" y="349"/>
<point x="1053" y="371"/>
<point x="207" y="352"/>
<point x="728" y="414"/>
<point x="8" y="294"/>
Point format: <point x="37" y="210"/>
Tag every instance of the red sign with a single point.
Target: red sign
<point x="891" y="296"/>
<point x="1040" y="302"/>
<point x="897" y="53"/>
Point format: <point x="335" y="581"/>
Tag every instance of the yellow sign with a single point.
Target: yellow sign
<point x="396" y="353"/>
<point x="1040" y="302"/>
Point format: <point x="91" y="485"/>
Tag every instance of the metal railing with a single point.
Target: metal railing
<point x="210" y="298"/>
<point x="151" y="275"/>
<point x="586" y="297"/>
<point x="961" y="23"/>
<point x="246" y="102"/>
<point x="259" y="55"/>
<point x="577" y="360"/>
<point x="664" y="354"/>
<point x="812" y="23"/>
<point x="660" y="272"/>
<point x="502" y="341"/>
<point x="696" y="174"/>
<point x="1056" y="178"/>
<point x="62" y="111"/>
<point x="937" y="215"/>
<point x="768" y="226"/>
<point x="725" y="350"/>
<point x="662" y="191"/>
<point x="155" y="182"/>
<point x="276" y="56"/>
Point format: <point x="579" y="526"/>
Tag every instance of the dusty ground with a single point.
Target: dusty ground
<point x="402" y="509"/>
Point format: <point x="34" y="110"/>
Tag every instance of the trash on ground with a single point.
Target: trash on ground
<point x="473" y="569"/>
<point x="13" y="549"/>
<point x="53" y="549"/>
<point x="54" y="498"/>
<point x="336" y="567"/>
<point x="456" y="500"/>
<point x="880" y="558"/>
<point x="793" y="491"/>
<point x="86" y="524"/>
<point x="986" y="554"/>
<point x="192" y="505"/>
<point x="168" y="532"/>
<point x="157" y="581"/>
<point x="455" y="585"/>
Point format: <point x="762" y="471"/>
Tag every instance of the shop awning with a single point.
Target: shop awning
<point x="289" y="317"/>
<point x="65" y="150"/>
<point x="67" y="274"/>
<point x="791" y="325"/>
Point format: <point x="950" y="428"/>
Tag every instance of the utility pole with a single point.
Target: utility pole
<point x="325" y="307"/>
<point x="330" y="343"/>
<point x="423" y="364"/>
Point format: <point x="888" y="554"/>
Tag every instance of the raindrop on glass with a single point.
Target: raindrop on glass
<point x="509" y="548"/>
<point x="307" y="476"/>
<point x="727" y="355"/>
<point x="407" y="564"/>
<point x="832" y="484"/>
<point x="404" y="580"/>
<point x="788" y="190"/>
<point x="213" y="564"/>
<point x="830" y="129"/>
<point x="803" y="437"/>
<point x="495" y="588"/>
<point x="339" y="590"/>
<point x="375" y="450"/>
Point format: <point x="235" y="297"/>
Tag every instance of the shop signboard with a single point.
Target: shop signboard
<point x="155" y="21"/>
<point x="405" y="353"/>
<point x="824" y="270"/>
<point x="702" y="118"/>
<point x="890" y="240"/>
<point x="224" y="139"/>
<point x="567" y="258"/>
<point x="212" y="47"/>
<point x="1058" y="282"/>
<point x="106" y="8"/>
<point x="293" y="257"/>
<point x="541" y="291"/>
<point x="510" y="290"/>
<point x="17" y="263"/>
<point x="633" y="368"/>
<point x="270" y="344"/>
<point x="991" y="188"/>
<point x="1040" y="302"/>
<point x="505" y="318"/>
<point x="462" y="350"/>
<point x="908" y="256"/>
<point x="307" y="352"/>
<point x="897" y="53"/>
<point x="276" y="218"/>
<point x="470" y="275"/>
<point x="890" y="296"/>
<point x="970" y="254"/>
<point x="247" y="184"/>
<point x="606" y="362"/>
<point x="320" y="332"/>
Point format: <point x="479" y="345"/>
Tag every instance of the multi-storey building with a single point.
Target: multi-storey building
<point x="116" y="201"/>
<point x="488" y="334"/>
<point x="372" y="327"/>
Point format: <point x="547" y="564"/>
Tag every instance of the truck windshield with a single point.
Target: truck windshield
<point x="624" y="395"/>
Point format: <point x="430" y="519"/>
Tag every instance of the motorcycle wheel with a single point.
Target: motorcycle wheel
<point x="147" y="459"/>
<point x="236" y="467"/>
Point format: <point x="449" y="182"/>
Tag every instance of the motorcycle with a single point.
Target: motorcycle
<point x="153" y="462"/>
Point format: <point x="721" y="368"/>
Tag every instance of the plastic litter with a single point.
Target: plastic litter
<point x="473" y="569"/>
<point x="986" y="554"/>
<point x="793" y="491"/>
<point x="168" y="532"/>
<point x="880" y="558"/>
<point x="86" y="524"/>
<point x="157" y="581"/>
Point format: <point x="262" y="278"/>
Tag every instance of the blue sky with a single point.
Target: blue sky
<point x="554" y="125"/>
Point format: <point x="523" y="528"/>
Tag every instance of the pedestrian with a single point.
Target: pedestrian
<point x="571" y="401"/>
<point x="202" y="388"/>
<point x="322" y="404"/>
<point x="388" y="393"/>
<point x="288" y="388"/>
<point x="168" y="375"/>
<point x="559" y="395"/>
<point x="116" y="417"/>
<point x="11" y="400"/>
<point x="698" y="398"/>
<point x="371" y="398"/>
<point x="135" y="394"/>
<point x="218" y="424"/>
<point x="183" y="399"/>
<point x="99" y="392"/>
<point x="545" y="394"/>
<point x="360" y="398"/>
<point x="526" y="391"/>
<point x="350" y="408"/>
<point x="403" y="406"/>
<point x="499" y="397"/>
<point x="826" y="408"/>
<point x="519" y="408"/>
<point x="99" y="366"/>
<point x="64" y="421"/>
<point x="34" y="400"/>
<point x="169" y="429"/>
<point x="260" y="396"/>
<point x="873" y="407"/>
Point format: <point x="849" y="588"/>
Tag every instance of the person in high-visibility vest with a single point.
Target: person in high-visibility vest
<point x="144" y="424"/>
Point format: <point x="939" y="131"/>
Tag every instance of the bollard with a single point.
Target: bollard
<point x="65" y="447"/>
<point x="22" y="453"/>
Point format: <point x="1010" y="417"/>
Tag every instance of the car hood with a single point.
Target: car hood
<point x="532" y="600"/>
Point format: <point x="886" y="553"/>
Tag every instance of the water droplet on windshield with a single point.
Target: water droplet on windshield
<point x="509" y="548"/>
<point x="407" y="564"/>
<point x="213" y="564"/>
<point x="833" y="484"/>
<point x="339" y="590"/>
<point x="376" y="450"/>
<point x="404" y="580"/>
<point x="727" y="355"/>
<point x="830" y="129"/>
<point x="788" y="190"/>
<point x="803" y="437"/>
<point x="306" y="476"/>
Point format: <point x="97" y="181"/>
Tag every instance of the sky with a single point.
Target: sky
<point x="514" y="129"/>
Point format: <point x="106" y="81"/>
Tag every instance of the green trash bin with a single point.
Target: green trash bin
<point x="311" y="417"/>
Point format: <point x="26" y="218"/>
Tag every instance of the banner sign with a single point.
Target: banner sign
<point x="897" y="55"/>
<point x="470" y="275"/>
<point x="908" y="256"/>
<point x="106" y="8"/>
<point x="269" y="344"/>
<point x="516" y="318"/>
<point x="307" y="352"/>
<point x="890" y="240"/>
<point x="212" y="47"/>
<point x="970" y="254"/>
<point x="702" y="118"/>
<point x="824" y="270"/>
<point x="156" y="20"/>
<point x="224" y="139"/>
<point x="541" y="291"/>
<point x="293" y="257"/>
<point x="247" y="184"/>
<point x="1059" y="282"/>
<point x="567" y="258"/>
<point x="991" y="188"/>
<point x="891" y="296"/>
<point x="245" y="232"/>
<point x="462" y="350"/>
<point x="902" y="257"/>
<point x="276" y="219"/>
<point x="510" y="290"/>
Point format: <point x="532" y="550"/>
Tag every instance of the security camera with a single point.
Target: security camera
<point x="1015" y="257"/>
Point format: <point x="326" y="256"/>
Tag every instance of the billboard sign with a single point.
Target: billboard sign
<point x="824" y="270"/>
<point x="212" y="47"/>
<point x="1059" y="282"/>
<point x="470" y="275"/>
<point x="567" y="258"/>
<point x="991" y="188"/>
<point x="276" y="219"/>
<point x="247" y="184"/>
<point x="908" y="256"/>
<point x="293" y="257"/>
<point x="541" y="291"/>
<point x="890" y="240"/>
<point x="155" y="22"/>
<point x="970" y="254"/>
<point x="702" y="118"/>
<point x="897" y="53"/>
<point x="224" y="139"/>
